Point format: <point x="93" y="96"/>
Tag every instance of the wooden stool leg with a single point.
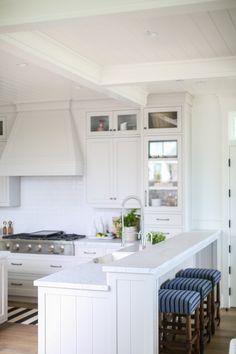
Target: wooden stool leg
<point x="201" y="328"/>
<point x="188" y="335"/>
<point x="197" y="330"/>
<point x="218" y="303"/>
<point x="210" y="317"/>
<point x="213" y="311"/>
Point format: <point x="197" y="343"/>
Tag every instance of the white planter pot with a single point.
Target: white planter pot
<point x="130" y="233"/>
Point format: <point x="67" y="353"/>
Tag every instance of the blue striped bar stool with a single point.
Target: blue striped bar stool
<point x="178" y="317"/>
<point x="204" y="288"/>
<point x="214" y="276"/>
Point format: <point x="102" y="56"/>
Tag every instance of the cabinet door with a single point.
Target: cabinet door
<point x="99" y="123"/>
<point x="99" y="171"/>
<point x="126" y="122"/>
<point x="163" y="173"/>
<point x="127" y="168"/>
<point x="162" y="120"/>
<point x="3" y="290"/>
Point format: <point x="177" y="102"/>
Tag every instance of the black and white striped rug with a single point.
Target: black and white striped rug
<point x="23" y="315"/>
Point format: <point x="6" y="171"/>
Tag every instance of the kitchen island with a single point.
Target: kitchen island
<point x="112" y="308"/>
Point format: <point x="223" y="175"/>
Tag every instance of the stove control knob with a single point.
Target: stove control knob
<point x="17" y="246"/>
<point x="29" y="247"/>
<point x="39" y="248"/>
<point x="7" y="246"/>
<point x="62" y="249"/>
<point x="51" y="249"/>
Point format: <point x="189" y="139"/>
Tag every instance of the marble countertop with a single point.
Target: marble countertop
<point x="87" y="276"/>
<point x="154" y="259"/>
<point x="162" y="256"/>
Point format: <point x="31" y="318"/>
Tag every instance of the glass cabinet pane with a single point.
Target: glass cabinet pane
<point x="99" y="123"/>
<point x="163" y="198"/>
<point x="126" y="122"/>
<point x="165" y="148"/>
<point x="162" y="120"/>
<point x="163" y="174"/>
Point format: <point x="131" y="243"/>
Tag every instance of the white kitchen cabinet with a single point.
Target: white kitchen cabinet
<point x="166" y="164"/>
<point x="90" y="250"/>
<point x="113" y="170"/>
<point x="122" y="123"/>
<point x="9" y="188"/>
<point x="162" y="173"/>
<point x="162" y="120"/>
<point x="24" y="269"/>
<point x="3" y="290"/>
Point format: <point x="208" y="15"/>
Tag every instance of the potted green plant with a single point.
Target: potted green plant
<point x="155" y="237"/>
<point x="131" y="225"/>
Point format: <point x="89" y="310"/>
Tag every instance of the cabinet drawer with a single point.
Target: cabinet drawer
<point x="40" y="266"/>
<point x="21" y="287"/>
<point x="90" y="252"/>
<point x="163" y="219"/>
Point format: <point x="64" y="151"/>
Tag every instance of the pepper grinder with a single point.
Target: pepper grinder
<point x="10" y="228"/>
<point x="4" y="229"/>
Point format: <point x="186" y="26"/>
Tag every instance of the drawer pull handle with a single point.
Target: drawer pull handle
<point x="162" y="219"/>
<point x="166" y="233"/>
<point x="16" y="264"/>
<point x="86" y="252"/>
<point x="55" y="266"/>
<point x="16" y="284"/>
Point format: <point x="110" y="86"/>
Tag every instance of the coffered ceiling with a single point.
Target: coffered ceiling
<point x="121" y="49"/>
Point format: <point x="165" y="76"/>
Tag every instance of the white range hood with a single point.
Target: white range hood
<point x="42" y="143"/>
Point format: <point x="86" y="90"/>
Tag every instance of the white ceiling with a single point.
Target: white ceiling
<point x="87" y="57"/>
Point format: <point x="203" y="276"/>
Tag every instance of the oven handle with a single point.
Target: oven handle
<point x="16" y="264"/>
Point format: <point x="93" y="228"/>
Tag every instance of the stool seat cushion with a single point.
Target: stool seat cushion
<point x="202" y="286"/>
<point x="178" y="301"/>
<point x="210" y="274"/>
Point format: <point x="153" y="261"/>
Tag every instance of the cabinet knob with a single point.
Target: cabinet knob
<point x="145" y="128"/>
<point x="110" y="130"/>
<point x="114" y="130"/>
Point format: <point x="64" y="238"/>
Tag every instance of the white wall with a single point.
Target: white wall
<point x="206" y="163"/>
<point x="57" y="202"/>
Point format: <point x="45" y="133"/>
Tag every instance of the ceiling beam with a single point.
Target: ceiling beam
<point x="42" y="50"/>
<point x="165" y="71"/>
<point x="15" y="13"/>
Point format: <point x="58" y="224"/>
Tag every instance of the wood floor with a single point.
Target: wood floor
<point x="224" y="333"/>
<point x="22" y="339"/>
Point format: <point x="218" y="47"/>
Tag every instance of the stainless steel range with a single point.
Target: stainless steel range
<point x="41" y="242"/>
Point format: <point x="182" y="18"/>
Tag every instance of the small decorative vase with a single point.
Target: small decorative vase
<point x="130" y="233"/>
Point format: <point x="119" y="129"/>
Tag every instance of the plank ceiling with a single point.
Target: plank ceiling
<point x="138" y="37"/>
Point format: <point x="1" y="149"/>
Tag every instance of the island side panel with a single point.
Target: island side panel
<point x="134" y="311"/>
<point x="74" y="321"/>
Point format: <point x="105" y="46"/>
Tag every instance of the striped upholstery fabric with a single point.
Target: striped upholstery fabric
<point x="202" y="286"/>
<point x="210" y="274"/>
<point x="178" y="301"/>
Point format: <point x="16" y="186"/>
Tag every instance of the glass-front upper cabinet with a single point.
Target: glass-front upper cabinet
<point x="162" y="119"/>
<point x="162" y="173"/>
<point x="124" y="122"/>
